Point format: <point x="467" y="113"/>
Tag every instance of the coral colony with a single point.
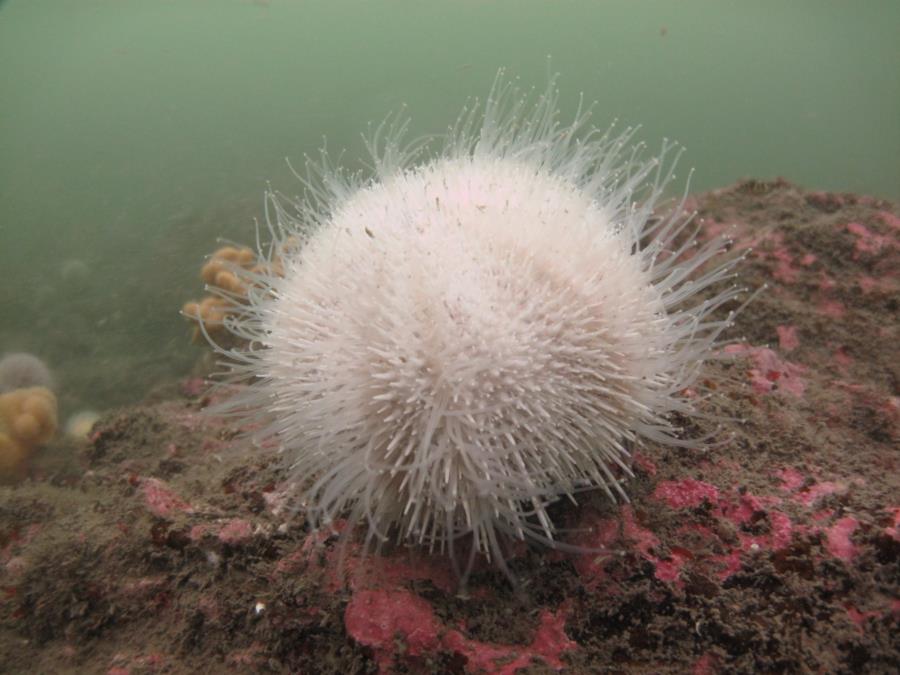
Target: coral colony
<point x="27" y="412"/>
<point x="443" y="349"/>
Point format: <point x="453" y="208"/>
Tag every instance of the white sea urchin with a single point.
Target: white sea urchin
<point x="459" y="341"/>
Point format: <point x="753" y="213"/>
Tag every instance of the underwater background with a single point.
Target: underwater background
<point x="134" y="133"/>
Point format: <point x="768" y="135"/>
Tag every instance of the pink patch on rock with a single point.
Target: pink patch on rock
<point x="893" y="530"/>
<point x="740" y="509"/>
<point x="669" y="570"/>
<point x="826" y="201"/>
<point x="826" y="283"/>
<point x="833" y="309"/>
<point x="644" y="463"/>
<point x="194" y="387"/>
<point x="838" y="540"/>
<point x="18" y="541"/>
<point x="235" y="531"/>
<point x="550" y="640"/>
<point x="773" y="530"/>
<point x="293" y="562"/>
<point x="860" y="618"/>
<point x="622" y="534"/>
<point x="784" y="269"/>
<point x="742" y="512"/>
<point x="375" y="618"/>
<point x="707" y="664"/>
<point x="645" y="543"/>
<point x="601" y="537"/>
<point x="842" y="356"/>
<point x="787" y="338"/>
<point x="781" y="528"/>
<point x="161" y="500"/>
<point x="731" y="564"/>
<point x="197" y="532"/>
<point x="686" y="493"/>
<point x="791" y="479"/>
<point x="889" y="219"/>
<point x="394" y="571"/>
<point x="15" y="566"/>
<point x="209" y="606"/>
<point x="249" y="657"/>
<point x="549" y="643"/>
<point x="750" y="508"/>
<point x="867" y="241"/>
<point x="815" y="492"/>
<point x="867" y="284"/>
<point x="769" y="371"/>
<point x="643" y="539"/>
<point x="143" y="588"/>
<point x="346" y="565"/>
<point x="277" y="500"/>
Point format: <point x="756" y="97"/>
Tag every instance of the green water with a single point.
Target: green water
<point x="135" y="132"/>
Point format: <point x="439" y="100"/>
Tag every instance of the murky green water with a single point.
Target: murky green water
<point x="135" y="132"/>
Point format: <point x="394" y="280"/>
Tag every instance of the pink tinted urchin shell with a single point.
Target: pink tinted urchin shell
<point x="458" y="342"/>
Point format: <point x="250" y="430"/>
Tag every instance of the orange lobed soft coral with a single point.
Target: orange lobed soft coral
<point x="228" y="287"/>
<point x="220" y="274"/>
<point x="27" y="420"/>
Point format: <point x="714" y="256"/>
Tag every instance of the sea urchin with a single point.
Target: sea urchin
<point x="460" y="339"/>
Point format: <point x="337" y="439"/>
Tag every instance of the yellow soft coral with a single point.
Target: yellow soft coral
<point x="228" y="276"/>
<point x="220" y="274"/>
<point x="27" y="420"/>
<point x="211" y="312"/>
